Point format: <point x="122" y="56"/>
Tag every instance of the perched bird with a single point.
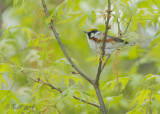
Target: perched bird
<point x="95" y="39"/>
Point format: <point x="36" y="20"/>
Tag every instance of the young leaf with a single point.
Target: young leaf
<point x="113" y="100"/>
<point x="113" y="83"/>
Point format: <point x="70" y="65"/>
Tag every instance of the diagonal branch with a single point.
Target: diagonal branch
<point x="130" y="19"/>
<point x="85" y="76"/>
<point x="105" y="62"/>
<point x="104" y="43"/>
<point x="46" y="83"/>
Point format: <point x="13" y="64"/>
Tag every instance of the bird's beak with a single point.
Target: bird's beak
<point x="85" y="31"/>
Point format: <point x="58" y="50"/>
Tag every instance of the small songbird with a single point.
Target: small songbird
<point x="95" y="39"/>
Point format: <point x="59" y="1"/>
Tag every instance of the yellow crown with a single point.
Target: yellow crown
<point x="91" y="29"/>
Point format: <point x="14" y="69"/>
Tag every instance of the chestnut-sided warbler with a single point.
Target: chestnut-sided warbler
<point x="95" y="39"/>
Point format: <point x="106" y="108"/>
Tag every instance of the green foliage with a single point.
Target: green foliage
<point x="122" y="82"/>
<point x="29" y="49"/>
<point x="113" y="100"/>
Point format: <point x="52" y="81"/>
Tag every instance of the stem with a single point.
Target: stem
<point x="85" y="76"/>
<point x="104" y="44"/>
<point x="100" y="98"/>
<point x="105" y="62"/>
<point x="130" y="19"/>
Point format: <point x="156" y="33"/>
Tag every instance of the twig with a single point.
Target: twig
<point x="73" y="72"/>
<point x="47" y="83"/>
<point x="58" y="89"/>
<point x="119" y="29"/>
<point x="100" y="67"/>
<point x="105" y="62"/>
<point x="85" y="76"/>
<point x="128" y="24"/>
<point x="104" y="43"/>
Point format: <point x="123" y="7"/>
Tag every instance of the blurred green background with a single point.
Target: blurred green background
<point x="27" y="41"/>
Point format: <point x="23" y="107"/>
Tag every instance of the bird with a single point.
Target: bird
<point x="95" y="39"/>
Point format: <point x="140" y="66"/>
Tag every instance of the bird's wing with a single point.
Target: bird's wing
<point x="117" y="39"/>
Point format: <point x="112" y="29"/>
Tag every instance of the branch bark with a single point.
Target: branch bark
<point x="130" y="19"/>
<point x="105" y="62"/>
<point x="104" y="44"/>
<point x="101" y="66"/>
<point x="85" y="76"/>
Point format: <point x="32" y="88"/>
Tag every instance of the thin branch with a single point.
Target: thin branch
<point x="100" y="67"/>
<point x="58" y="89"/>
<point x="130" y="19"/>
<point x="47" y="83"/>
<point x="85" y="76"/>
<point x="105" y="62"/>
<point x="119" y="28"/>
<point x="104" y="43"/>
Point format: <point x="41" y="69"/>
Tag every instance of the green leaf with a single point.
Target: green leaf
<point x="48" y="20"/>
<point x="2" y="80"/>
<point x="8" y="29"/>
<point x="123" y="82"/>
<point x="15" y="2"/>
<point x="152" y="77"/>
<point x="6" y="96"/>
<point x="113" y="83"/>
<point x="5" y="68"/>
<point x="141" y="97"/>
<point x="113" y="100"/>
<point x="69" y="4"/>
<point x="83" y="20"/>
<point x="94" y="16"/>
<point x="71" y="18"/>
<point x="91" y="16"/>
<point x="59" y="10"/>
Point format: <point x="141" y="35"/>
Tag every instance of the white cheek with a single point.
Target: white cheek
<point x="92" y="35"/>
<point x="99" y="35"/>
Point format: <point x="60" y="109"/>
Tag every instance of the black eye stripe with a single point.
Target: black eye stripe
<point x="93" y="31"/>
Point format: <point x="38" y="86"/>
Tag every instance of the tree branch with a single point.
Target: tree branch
<point x="47" y="83"/>
<point x="105" y="62"/>
<point x="85" y="76"/>
<point x="100" y="67"/>
<point x="58" y="89"/>
<point x="130" y="19"/>
<point x="104" y="43"/>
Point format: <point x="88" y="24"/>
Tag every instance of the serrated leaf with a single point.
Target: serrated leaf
<point x="8" y="29"/>
<point x="59" y="10"/>
<point x="69" y="4"/>
<point x="152" y="77"/>
<point x="113" y="83"/>
<point x="113" y="100"/>
<point x="123" y="82"/>
<point x="141" y="97"/>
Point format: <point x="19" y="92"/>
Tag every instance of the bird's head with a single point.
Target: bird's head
<point x="91" y="32"/>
